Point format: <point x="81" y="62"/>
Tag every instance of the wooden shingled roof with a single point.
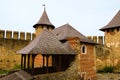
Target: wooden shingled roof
<point x="67" y="31"/>
<point x="114" y="23"/>
<point x="46" y="43"/>
<point x="44" y="20"/>
<point x="20" y="75"/>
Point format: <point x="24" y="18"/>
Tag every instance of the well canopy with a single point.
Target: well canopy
<point x="46" y="43"/>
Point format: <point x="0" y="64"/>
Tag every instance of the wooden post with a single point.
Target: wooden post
<point x="24" y="61"/>
<point x="32" y="64"/>
<point x="33" y="58"/>
<point x="21" y="61"/>
<point x="43" y="60"/>
<point x="47" y="56"/>
<point x="28" y="64"/>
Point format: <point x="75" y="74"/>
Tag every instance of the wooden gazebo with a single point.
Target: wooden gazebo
<point x="47" y="45"/>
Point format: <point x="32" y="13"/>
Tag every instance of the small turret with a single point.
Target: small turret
<point x="43" y="23"/>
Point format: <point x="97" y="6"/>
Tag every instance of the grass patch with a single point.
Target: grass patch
<point x="106" y="69"/>
<point x="16" y="67"/>
<point x="4" y="71"/>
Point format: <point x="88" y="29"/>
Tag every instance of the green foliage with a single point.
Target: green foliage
<point x="108" y="69"/>
<point x="100" y="71"/>
<point x="17" y="67"/>
<point x="4" y="71"/>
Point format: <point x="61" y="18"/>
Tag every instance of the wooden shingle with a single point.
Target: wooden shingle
<point x="46" y="43"/>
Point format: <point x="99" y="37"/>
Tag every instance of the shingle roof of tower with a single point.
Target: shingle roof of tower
<point x="67" y="31"/>
<point x="46" y="43"/>
<point x="115" y="22"/>
<point x="44" y="20"/>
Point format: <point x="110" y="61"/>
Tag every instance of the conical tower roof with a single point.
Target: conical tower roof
<point x="114" y="23"/>
<point x="44" y="20"/>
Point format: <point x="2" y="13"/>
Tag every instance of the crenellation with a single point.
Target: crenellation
<point x="22" y="35"/>
<point x="100" y="39"/>
<point x="89" y="37"/>
<point x="33" y="36"/>
<point x="28" y="36"/>
<point x="9" y="34"/>
<point x="2" y="33"/>
<point x="95" y="39"/>
<point x="15" y="35"/>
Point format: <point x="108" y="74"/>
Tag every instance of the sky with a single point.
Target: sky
<point x="87" y="16"/>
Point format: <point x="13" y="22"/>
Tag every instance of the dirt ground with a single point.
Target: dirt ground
<point x="108" y="76"/>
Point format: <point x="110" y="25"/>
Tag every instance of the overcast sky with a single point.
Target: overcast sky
<point x="87" y="16"/>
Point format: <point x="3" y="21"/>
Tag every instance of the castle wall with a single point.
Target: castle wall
<point x="10" y="42"/>
<point x="108" y="53"/>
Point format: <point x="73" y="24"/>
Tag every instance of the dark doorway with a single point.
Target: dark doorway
<point x="62" y="62"/>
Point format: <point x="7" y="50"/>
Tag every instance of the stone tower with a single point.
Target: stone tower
<point x="43" y="23"/>
<point x="112" y="36"/>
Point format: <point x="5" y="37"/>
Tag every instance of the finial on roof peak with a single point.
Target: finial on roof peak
<point x="44" y="6"/>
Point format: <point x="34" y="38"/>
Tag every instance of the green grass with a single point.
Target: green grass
<point x="16" y="67"/>
<point x="3" y="71"/>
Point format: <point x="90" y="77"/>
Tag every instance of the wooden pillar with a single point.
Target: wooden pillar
<point x="28" y="63"/>
<point x="33" y="59"/>
<point x="47" y="58"/>
<point x="22" y="61"/>
<point x="43" y="60"/>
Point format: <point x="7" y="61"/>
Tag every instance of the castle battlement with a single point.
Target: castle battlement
<point x="97" y="39"/>
<point x="16" y="35"/>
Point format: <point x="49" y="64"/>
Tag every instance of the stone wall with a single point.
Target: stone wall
<point x="85" y="61"/>
<point x="108" y="49"/>
<point x="10" y="42"/>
